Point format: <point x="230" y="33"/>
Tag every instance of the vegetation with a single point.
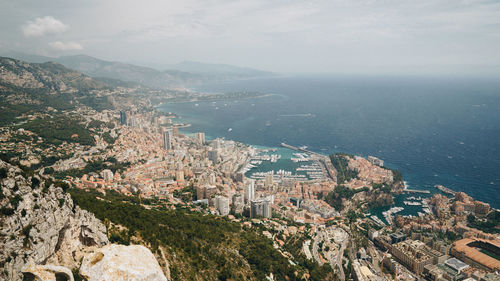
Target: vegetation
<point x="341" y="164"/>
<point x="382" y="186"/>
<point x="334" y="198"/>
<point x="3" y="173"/>
<point x="203" y="246"/>
<point x="187" y="194"/>
<point x="490" y="224"/>
<point x="55" y="130"/>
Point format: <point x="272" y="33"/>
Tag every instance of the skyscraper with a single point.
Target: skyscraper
<point x="123" y="118"/>
<point x="222" y="205"/>
<point x="167" y="139"/>
<point x="200" y="138"/>
<point x="250" y="191"/>
<point x="260" y="208"/>
<point x="213" y="156"/>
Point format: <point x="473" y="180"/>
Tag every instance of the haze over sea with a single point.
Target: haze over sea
<point x="435" y="130"/>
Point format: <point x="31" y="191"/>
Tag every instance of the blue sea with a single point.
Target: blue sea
<point x="435" y="130"/>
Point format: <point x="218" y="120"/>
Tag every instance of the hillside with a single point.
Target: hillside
<point x="27" y="88"/>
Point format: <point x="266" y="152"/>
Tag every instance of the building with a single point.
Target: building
<point x="179" y="176"/>
<point x="167" y="140"/>
<point x="200" y="138"/>
<point x="123" y="118"/>
<point x="362" y="272"/>
<point x="412" y="254"/>
<point x="297" y="202"/>
<point x="481" y="208"/>
<point x="372" y="234"/>
<point x="238" y="203"/>
<point x="213" y="156"/>
<point x="269" y="180"/>
<point x="175" y="131"/>
<point x="397" y="237"/>
<point x="107" y="175"/>
<point x="249" y="191"/>
<point x="210" y="191"/>
<point x="200" y="192"/>
<point x="216" y="144"/>
<point x="240" y="177"/>
<point x="260" y="208"/>
<point x="222" y="205"/>
<point x="376" y="161"/>
<point x="457" y="265"/>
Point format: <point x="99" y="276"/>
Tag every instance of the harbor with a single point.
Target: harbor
<point x="412" y="203"/>
<point x="285" y="164"/>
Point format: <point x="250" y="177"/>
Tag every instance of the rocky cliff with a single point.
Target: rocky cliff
<point x="39" y="224"/>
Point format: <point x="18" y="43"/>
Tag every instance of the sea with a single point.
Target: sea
<point x="434" y="129"/>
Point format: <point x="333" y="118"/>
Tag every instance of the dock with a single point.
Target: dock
<point x="301" y="149"/>
<point x="445" y="190"/>
<point x="325" y="160"/>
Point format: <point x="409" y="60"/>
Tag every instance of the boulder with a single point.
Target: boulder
<point x="119" y="262"/>
<point x="47" y="272"/>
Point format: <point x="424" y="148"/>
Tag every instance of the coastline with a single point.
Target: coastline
<point x="285" y="164"/>
<point x="399" y="201"/>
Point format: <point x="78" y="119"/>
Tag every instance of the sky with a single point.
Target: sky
<point x="308" y="36"/>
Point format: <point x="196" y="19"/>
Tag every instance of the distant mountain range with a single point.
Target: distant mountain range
<point x="183" y="74"/>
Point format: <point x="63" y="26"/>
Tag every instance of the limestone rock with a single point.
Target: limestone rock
<point x="46" y="273"/>
<point x="119" y="262"/>
<point x="42" y="225"/>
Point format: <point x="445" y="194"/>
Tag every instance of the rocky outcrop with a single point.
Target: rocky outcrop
<point x="119" y="262"/>
<point x="39" y="224"/>
<point x="49" y="272"/>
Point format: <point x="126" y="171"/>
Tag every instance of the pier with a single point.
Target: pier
<point x="325" y="160"/>
<point x="445" y="190"/>
<point x="300" y="149"/>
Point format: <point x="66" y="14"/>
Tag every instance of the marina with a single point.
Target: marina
<point x="285" y="164"/>
<point x="389" y="213"/>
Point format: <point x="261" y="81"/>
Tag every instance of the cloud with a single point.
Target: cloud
<point x="66" y="46"/>
<point x="42" y="26"/>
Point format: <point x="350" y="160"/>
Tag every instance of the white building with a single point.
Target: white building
<point x="250" y="191"/>
<point x="222" y="205"/>
<point x="107" y="175"/>
<point x="200" y="138"/>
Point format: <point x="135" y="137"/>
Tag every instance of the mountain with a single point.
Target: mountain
<point x="218" y="69"/>
<point x="48" y="75"/>
<point x="26" y="57"/>
<point x="184" y="74"/>
<point x="27" y="88"/>
<point x="127" y="72"/>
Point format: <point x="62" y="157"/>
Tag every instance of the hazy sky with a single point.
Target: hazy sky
<point x="276" y="35"/>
